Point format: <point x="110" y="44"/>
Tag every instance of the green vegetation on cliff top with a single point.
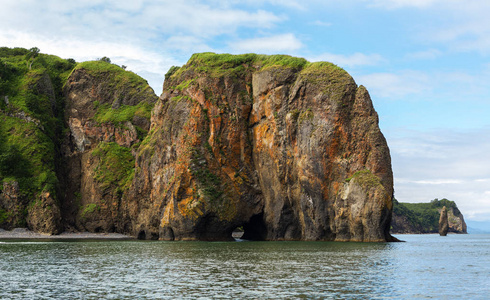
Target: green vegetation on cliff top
<point x="127" y="85"/>
<point x="120" y="78"/>
<point x="218" y="65"/>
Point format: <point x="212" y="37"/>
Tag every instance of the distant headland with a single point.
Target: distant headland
<point x="424" y="217"/>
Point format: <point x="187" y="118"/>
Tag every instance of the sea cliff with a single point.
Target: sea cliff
<point x="285" y="148"/>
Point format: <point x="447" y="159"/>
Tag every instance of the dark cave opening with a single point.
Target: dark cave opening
<point x="142" y="235"/>
<point x="255" y="229"/>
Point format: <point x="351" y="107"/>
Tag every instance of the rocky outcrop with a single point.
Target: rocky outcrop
<point x="443" y="222"/>
<point x="108" y="113"/>
<point x="456" y="221"/>
<point x="287" y="149"/>
<point x="44" y="215"/>
<point x="12" y="205"/>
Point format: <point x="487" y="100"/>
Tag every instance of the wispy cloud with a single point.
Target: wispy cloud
<point x="321" y="23"/>
<point x="394" y="4"/>
<point x="353" y="60"/>
<point x="271" y="44"/>
<point x="443" y="164"/>
<point x="430" y="182"/>
<point x="148" y="36"/>
<point x="396" y="85"/>
<point x="427" y="54"/>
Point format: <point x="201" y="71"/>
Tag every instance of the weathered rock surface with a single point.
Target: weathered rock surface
<point x="11" y="205"/>
<point x="456" y="221"/>
<point x="287" y="149"/>
<point x="101" y="113"/>
<point x="443" y="222"/>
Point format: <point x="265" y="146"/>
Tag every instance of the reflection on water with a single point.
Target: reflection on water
<point x="427" y="266"/>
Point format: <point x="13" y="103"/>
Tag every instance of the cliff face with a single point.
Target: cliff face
<point x="424" y="217"/>
<point x="30" y="110"/>
<point x="287" y="149"/>
<point x="107" y="113"/>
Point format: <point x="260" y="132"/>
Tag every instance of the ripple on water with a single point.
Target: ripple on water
<point x="168" y="270"/>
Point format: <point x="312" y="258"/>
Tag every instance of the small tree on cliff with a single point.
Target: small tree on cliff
<point x="106" y="59"/>
<point x="31" y="56"/>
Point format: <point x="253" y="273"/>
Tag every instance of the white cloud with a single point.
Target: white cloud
<point x="187" y="43"/>
<point x="148" y="36"/>
<point x="461" y="26"/>
<point x="267" y="45"/>
<point x="430" y="85"/>
<point x="354" y="60"/>
<point x="443" y="164"/>
<point x="430" y="182"/>
<point x="287" y="3"/>
<point x="427" y="54"/>
<point x="321" y="23"/>
<point x="394" y="4"/>
<point x="396" y="85"/>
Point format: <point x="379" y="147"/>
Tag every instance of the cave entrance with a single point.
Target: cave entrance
<point x="142" y="235"/>
<point x="253" y="230"/>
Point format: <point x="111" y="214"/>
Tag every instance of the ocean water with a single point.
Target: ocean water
<point x="424" y="267"/>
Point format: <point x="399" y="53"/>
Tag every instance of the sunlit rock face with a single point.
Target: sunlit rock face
<point x="289" y="150"/>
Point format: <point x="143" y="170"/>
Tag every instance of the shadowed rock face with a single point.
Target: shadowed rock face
<point x="287" y="149"/>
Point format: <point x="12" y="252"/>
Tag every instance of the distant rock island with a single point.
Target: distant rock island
<point x="427" y="217"/>
<point x="281" y="147"/>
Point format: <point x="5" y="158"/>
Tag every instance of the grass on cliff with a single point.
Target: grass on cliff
<point x="218" y="65"/>
<point x="27" y="155"/>
<point x="105" y="113"/>
<point x="128" y="84"/>
<point x="31" y="118"/>
<point x="120" y="79"/>
<point x="365" y="178"/>
<point x="116" y="166"/>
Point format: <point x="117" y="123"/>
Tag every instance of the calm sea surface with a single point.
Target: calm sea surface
<point x="425" y="267"/>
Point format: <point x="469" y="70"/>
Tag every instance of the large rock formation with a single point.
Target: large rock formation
<point x="289" y="150"/>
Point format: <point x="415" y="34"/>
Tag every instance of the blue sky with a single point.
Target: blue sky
<point x="426" y="64"/>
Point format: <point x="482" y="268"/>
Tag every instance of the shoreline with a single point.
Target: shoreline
<point x="24" y="233"/>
